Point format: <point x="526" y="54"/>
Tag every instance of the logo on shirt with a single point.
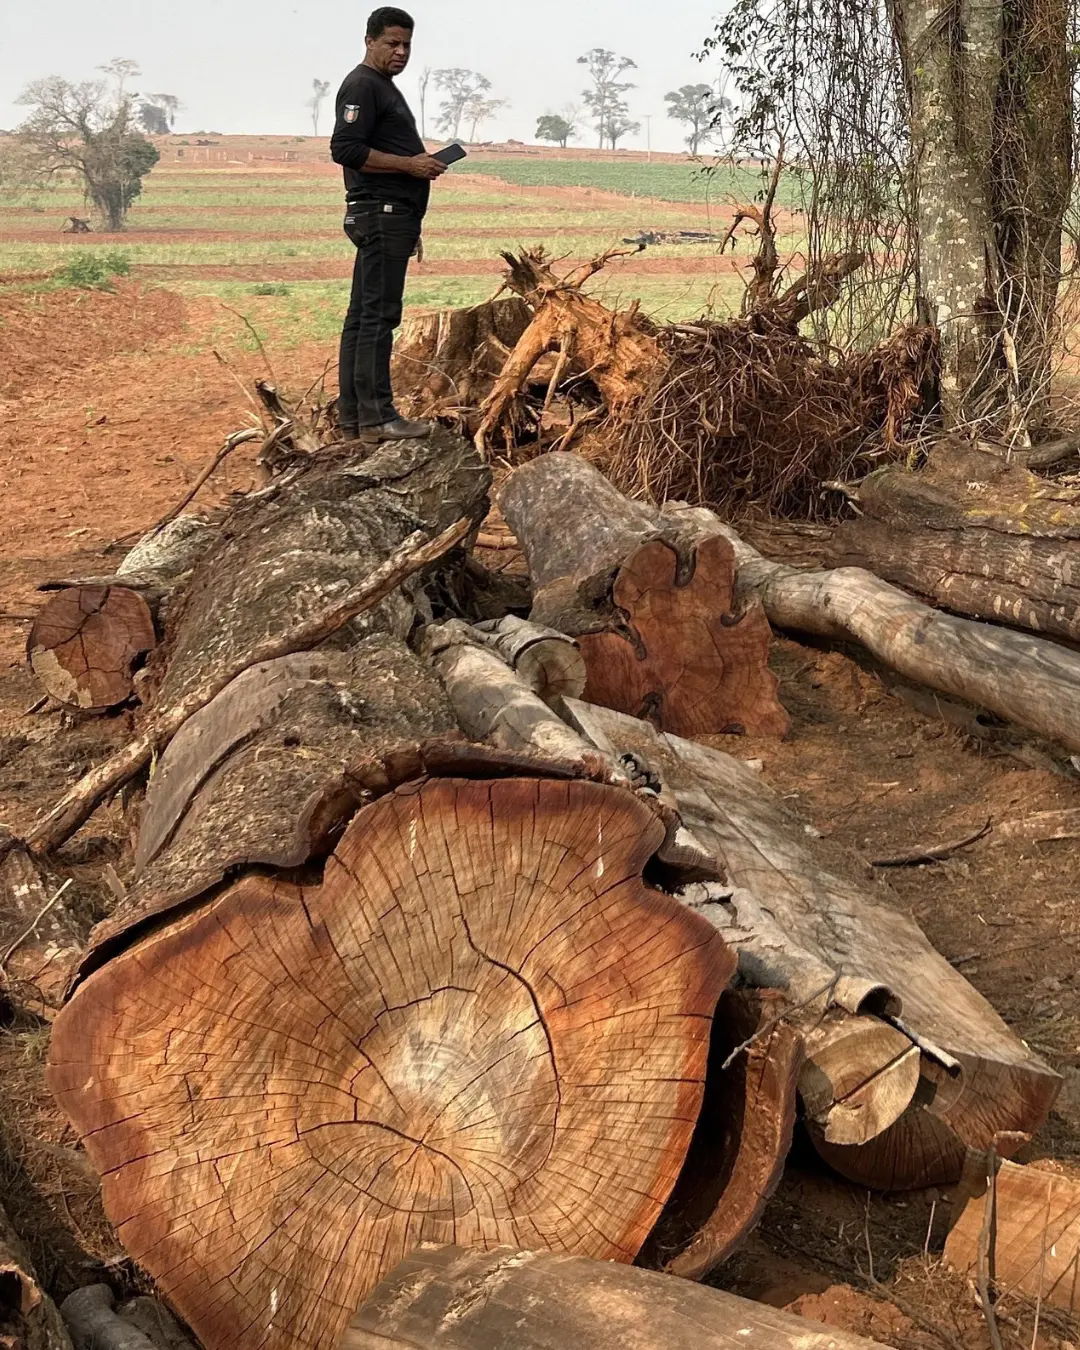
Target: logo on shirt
<point x="352" y="112"/>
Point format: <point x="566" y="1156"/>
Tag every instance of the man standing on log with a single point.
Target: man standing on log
<point x="388" y="176"/>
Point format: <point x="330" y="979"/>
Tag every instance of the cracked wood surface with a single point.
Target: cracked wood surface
<point x="522" y="1300"/>
<point x="655" y="614"/>
<point x="482" y="1026"/>
<point x="85" y="642"/>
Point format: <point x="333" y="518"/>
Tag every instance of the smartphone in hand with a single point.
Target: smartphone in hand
<point x="450" y="154"/>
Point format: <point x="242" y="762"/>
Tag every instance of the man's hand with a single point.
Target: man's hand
<point x="426" y="166"/>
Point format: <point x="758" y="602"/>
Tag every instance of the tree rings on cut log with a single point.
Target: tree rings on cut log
<point x="85" y="644"/>
<point x="482" y="1026"/>
<point x="695" y="667"/>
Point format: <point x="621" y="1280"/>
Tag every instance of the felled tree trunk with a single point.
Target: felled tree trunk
<point x="541" y="1300"/>
<point x="907" y="1066"/>
<point x="654" y="614"/>
<point x="352" y="1003"/>
<point x="29" y="1320"/>
<point x="975" y="535"/>
<point x="87" y="642"/>
<point x="619" y="351"/>
<point x="1021" y="678"/>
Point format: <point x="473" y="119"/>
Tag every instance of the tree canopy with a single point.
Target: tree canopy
<point x="89" y="128"/>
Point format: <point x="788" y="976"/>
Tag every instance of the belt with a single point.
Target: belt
<point x="388" y="208"/>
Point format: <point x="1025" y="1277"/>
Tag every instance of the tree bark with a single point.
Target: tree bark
<point x="990" y="116"/>
<point x="29" y="1319"/>
<point x="654" y="613"/>
<point x="546" y="1301"/>
<point x="804" y="921"/>
<point x="1023" y="679"/>
<point x="975" y="535"/>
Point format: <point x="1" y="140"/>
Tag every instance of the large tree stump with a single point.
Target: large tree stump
<point x="976" y="535"/>
<point x="907" y="1065"/>
<point x="291" y="1087"/>
<point x="655" y="614"/>
<point x="543" y="1301"/>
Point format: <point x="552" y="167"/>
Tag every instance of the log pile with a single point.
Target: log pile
<point x="447" y="943"/>
<point x="442" y="931"/>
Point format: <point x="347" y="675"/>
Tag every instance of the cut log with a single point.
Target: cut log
<point x="29" y="1319"/>
<point x="1035" y="1222"/>
<point x="85" y="644"/>
<point x="549" y="662"/>
<point x="291" y="568"/>
<point x="492" y="704"/>
<point x="975" y="534"/>
<point x="654" y="614"/>
<point x="457" y="1300"/>
<point x="619" y="351"/>
<point x="90" y="637"/>
<point x="289" y="1088"/>
<point x="1025" y="679"/>
<point x="91" y="1317"/>
<point x="806" y="919"/>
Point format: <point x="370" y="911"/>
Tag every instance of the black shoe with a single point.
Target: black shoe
<point x="399" y="429"/>
<point x="349" y="433"/>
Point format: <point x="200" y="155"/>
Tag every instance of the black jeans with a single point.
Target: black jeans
<point x="385" y="236"/>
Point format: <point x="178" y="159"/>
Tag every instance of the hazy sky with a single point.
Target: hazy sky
<point x="247" y="65"/>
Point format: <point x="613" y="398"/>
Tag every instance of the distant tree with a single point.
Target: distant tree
<point x="88" y="129"/>
<point x="153" y="119"/>
<point x="605" y="99"/>
<point x="425" y="80"/>
<point x="157" y="113"/>
<point x="461" y="88"/>
<point x="481" y="110"/>
<point x="696" y="106"/>
<point x="120" y="69"/>
<point x="554" y="127"/>
<point x="319" y="91"/>
<point x="619" y="124"/>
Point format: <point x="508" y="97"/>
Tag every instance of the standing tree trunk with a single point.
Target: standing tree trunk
<point x="990" y="107"/>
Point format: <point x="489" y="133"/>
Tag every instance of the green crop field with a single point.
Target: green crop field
<point x="269" y="243"/>
<point x="667" y="181"/>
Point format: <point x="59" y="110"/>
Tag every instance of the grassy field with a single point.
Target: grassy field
<point x="268" y="242"/>
<point x="681" y="182"/>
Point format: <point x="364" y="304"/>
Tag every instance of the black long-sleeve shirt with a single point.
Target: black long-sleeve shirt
<point x="373" y="115"/>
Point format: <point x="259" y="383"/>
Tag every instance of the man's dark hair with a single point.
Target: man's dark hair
<point x="388" y="17"/>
